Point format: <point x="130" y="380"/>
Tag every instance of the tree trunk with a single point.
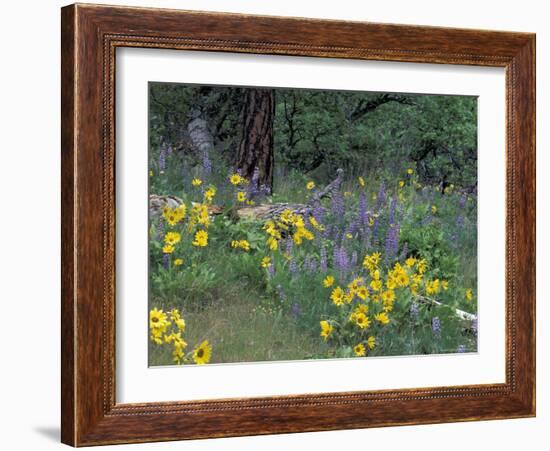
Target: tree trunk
<point x="201" y="139"/>
<point x="256" y="147"/>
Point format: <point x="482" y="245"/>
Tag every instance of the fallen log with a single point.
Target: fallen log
<point x="460" y="313"/>
<point x="261" y="211"/>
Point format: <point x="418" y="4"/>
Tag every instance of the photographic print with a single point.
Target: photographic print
<point x="294" y="224"/>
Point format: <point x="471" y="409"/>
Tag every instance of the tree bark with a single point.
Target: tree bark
<point x="201" y="139"/>
<point x="256" y="146"/>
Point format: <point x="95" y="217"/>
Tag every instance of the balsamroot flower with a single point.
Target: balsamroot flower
<point x="202" y="353"/>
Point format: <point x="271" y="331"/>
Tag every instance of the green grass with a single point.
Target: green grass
<point x="241" y="329"/>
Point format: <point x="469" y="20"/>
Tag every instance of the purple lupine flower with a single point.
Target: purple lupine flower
<point x="160" y="229"/>
<point x="166" y="261"/>
<point x="461" y="349"/>
<point x="391" y="214"/>
<point x="336" y="256"/>
<point x="206" y="164"/>
<point x="289" y="245"/>
<point x="293" y="268"/>
<point x="338" y="207"/>
<point x="310" y="264"/>
<point x="436" y="327"/>
<point x="414" y="311"/>
<point x="392" y="243"/>
<point x="352" y="228"/>
<point x="459" y="221"/>
<point x="318" y="213"/>
<point x="162" y="158"/>
<point x="381" y="197"/>
<point x="341" y="261"/>
<point x="295" y="310"/>
<point x="323" y="262"/>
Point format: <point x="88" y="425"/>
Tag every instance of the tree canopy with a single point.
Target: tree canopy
<point x="318" y="131"/>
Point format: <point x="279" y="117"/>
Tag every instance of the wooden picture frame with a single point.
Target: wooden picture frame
<point x="90" y="36"/>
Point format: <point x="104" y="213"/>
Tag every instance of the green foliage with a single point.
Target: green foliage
<point x="317" y="132"/>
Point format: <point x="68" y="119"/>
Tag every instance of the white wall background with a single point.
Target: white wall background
<point x="29" y="143"/>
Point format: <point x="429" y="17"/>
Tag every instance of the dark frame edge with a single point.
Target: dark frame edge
<point x="68" y="242"/>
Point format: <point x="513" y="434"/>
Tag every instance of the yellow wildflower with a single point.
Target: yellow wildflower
<point x="434" y="209"/>
<point x="329" y="280"/>
<point x="337" y="296"/>
<point x="202" y="353"/>
<point x="362" y="308"/>
<point x="361" y="181"/>
<point x="445" y="285"/>
<point x="326" y="329"/>
<point x="359" y="350"/>
<point x="316" y="224"/>
<point x="209" y="194"/>
<point x="302" y="232"/>
<point x="272" y="243"/>
<point x="157" y="319"/>
<point x="168" y="249"/>
<point x="410" y="262"/>
<point x="362" y="292"/>
<point x="310" y="185"/>
<point x="360" y="319"/>
<point x="178" y="262"/>
<point x="376" y="285"/>
<point x="235" y="179"/>
<point x="196" y="182"/>
<point x="241" y="196"/>
<point x="401" y="183"/>
<point x="201" y="238"/>
<point x="402" y="279"/>
<point x="421" y="266"/>
<point x="432" y="286"/>
<point x="469" y="294"/>
<point x="409" y="171"/>
<point x="172" y="238"/>
<point x="371" y="342"/>
<point x="266" y="262"/>
<point x="382" y="318"/>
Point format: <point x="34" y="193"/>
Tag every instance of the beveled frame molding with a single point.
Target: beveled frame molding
<point x="90" y="36"/>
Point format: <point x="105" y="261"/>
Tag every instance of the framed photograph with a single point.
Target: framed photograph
<point x="279" y="225"/>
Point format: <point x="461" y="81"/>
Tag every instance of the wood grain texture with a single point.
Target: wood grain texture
<point x="90" y="36"/>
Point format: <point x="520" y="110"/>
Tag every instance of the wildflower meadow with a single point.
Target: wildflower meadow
<point x="290" y="224"/>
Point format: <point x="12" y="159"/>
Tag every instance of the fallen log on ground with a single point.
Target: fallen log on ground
<point x="261" y="211"/>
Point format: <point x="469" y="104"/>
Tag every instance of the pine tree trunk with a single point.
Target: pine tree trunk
<point x="256" y="147"/>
